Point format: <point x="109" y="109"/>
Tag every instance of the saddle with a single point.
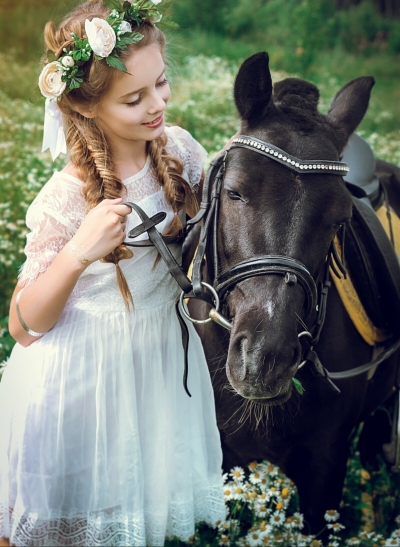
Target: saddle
<point x="370" y="244"/>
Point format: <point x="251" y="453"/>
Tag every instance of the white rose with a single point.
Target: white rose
<point x="50" y="84"/>
<point x="101" y="36"/>
<point x="67" y="61"/>
<point x="124" y="27"/>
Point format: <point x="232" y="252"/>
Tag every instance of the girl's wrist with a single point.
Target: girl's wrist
<point x="77" y="252"/>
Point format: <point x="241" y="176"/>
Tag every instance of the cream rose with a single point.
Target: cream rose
<point x="50" y="83"/>
<point x="101" y="36"/>
<point x="67" y="61"/>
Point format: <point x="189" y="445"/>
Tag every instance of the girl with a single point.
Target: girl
<point x="100" y="444"/>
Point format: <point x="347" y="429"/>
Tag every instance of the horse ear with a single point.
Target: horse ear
<point x="253" y="88"/>
<point x="350" y="105"/>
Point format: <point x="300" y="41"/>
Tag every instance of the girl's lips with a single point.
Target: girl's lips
<point x="155" y="123"/>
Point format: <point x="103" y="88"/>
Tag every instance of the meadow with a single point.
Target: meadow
<point x="263" y="506"/>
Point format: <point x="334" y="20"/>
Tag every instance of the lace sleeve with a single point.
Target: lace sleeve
<point x="189" y="151"/>
<point x="52" y="219"/>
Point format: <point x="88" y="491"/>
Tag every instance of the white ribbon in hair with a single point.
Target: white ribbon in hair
<point x="53" y="130"/>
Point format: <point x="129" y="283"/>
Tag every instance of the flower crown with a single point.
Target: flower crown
<point x="106" y="39"/>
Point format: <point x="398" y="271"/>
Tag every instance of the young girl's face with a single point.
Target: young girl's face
<point x="133" y="108"/>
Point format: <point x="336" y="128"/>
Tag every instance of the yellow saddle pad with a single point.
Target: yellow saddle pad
<point x="348" y="294"/>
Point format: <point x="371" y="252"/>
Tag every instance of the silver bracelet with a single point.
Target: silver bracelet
<point x="22" y="322"/>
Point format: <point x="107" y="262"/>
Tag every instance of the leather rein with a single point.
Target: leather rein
<point x="292" y="270"/>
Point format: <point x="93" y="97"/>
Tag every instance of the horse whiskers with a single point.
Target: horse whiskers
<point x="299" y="319"/>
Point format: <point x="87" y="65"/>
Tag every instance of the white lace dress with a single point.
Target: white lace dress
<point x="100" y="444"/>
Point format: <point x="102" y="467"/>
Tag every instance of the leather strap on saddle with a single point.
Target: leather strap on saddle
<point x="374" y="269"/>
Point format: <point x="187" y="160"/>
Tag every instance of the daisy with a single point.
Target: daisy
<point x="295" y="521"/>
<point x="238" y="492"/>
<point x="224" y="540"/>
<point x="277" y="518"/>
<point x="261" y="511"/>
<point x="353" y="541"/>
<point x="331" y="515"/>
<point x="336" y="527"/>
<point x="253" y="466"/>
<point x="237" y="474"/>
<point x="254" y="538"/>
<point x="255" y="477"/>
<point x="392" y="541"/>
<point x="228" y="491"/>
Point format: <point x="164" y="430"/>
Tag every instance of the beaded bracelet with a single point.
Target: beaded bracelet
<point x="22" y="322"/>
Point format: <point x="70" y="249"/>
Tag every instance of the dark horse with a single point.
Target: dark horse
<point x="285" y="214"/>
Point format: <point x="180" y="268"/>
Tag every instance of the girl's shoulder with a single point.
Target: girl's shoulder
<point x="181" y="142"/>
<point x="60" y="197"/>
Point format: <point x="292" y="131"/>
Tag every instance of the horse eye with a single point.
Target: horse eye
<point x="234" y="195"/>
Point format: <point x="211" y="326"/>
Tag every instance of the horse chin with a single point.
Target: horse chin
<point x="274" y="398"/>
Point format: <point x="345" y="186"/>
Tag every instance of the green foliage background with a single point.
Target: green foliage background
<point x="306" y="38"/>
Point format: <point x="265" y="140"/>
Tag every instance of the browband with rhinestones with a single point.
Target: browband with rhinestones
<point x="299" y="166"/>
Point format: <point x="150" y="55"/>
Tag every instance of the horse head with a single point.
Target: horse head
<point x="268" y="209"/>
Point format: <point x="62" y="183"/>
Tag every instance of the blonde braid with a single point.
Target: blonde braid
<point x="169" y="170"/>
<point x="92" y="152"/>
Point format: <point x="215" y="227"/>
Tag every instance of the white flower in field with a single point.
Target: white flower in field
<point x="50" y="80"/>
<point x="396" y="534"/>
<point x="255" y="477"/>
<point x="353" y="541"/>
<point x="224" y="540"/>
<point x="335" y="526"/>
<point x="101" y="36"/>
<point x="67" y="61"/>
<point x="237" y="474"/>
<point x="228" y="491"/>
<point x="392" y="542"/>
<point x="295" y="521"/>
<point x="254" y="538"/>
<point x="239" y="491"/>
<point x="270" y="469"/>
<point x="277" y="518"/>
<point x="253" y="466"/>
<point x="261" y="510"/>
<point x="124" y="27"/>
<point x="331" y="515"/>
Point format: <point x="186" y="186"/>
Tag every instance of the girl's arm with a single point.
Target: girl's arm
<point x="43" y="301"/>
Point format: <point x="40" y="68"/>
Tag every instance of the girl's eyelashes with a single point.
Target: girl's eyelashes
<point x="165" y="81"/>
<point x="139" y="100"/>
<point x="135" y="103"/>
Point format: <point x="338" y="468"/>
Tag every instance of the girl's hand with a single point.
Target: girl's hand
<point x="101" y="231"/>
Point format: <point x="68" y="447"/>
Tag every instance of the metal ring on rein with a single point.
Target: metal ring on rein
<point x="304" y="333"/>
<point x="214" y="315"/>
<point x="186" y="314"/>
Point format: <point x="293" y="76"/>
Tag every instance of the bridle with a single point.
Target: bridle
<point x="292" y="270"/>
